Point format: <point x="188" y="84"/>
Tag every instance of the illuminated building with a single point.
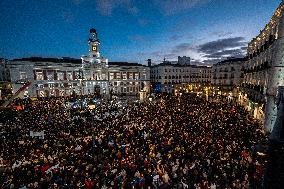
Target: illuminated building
<point x="128" y="78"/>
<point x="117" y="78"/>
<point x="264" y="71"/>
<point x="49" y="76"/>
<point x="168" y="75"/>
<point x="90" y="75"/>
<point x="94" y="79"/>
<point x="227" y="76"/>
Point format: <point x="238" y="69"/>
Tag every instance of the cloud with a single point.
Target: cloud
<point x="221" y="44"/>
<point x="221" y="33"/>
<point x="206" y="53"/>
<point x="212" y="61"/>
<point x="171" y="7"/>
<point x="221" y="49"/>
<point x="106" y="7"/>
<point x="183" y="47"/>
<point x="226" y="53"/>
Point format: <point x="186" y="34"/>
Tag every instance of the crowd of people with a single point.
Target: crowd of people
<point x="171" y="142"/>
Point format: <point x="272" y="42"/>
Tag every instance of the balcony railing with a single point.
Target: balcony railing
<point x="264" y="47"/>
<point x="262" y="67"/>
<point x="256" y="88"/>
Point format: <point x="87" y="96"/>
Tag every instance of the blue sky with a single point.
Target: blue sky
<point x="132" y="30"/>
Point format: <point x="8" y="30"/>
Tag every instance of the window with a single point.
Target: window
<point x="111" y="76"/>
<point x="118" y="75"/>
<point x="69" y="76"/>
<point x="136" y="76"/>
<point x="103" y="76"/>
<point x="60" y="75"/>
<point x="39" y="75"/>
<point x="23" y="75"/>
<point x="50" y="75"/>
<point x="124" y="76"/>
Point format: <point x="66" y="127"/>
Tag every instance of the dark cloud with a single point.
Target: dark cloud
<point x="195" y="62"/>
<point x="212" y="61"/>
<point x="221" y="44"/>
<point x="226" y="53"/>
<point x="183" y="47"/>
<point x="221" y="49"/>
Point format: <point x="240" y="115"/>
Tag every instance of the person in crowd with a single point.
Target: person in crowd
<point x="172" y="142"/>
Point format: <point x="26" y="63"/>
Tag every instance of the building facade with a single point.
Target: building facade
<point x="95" y="78"/>
<point x="90" y="75"/>
<point x="227" y="76"/>
<point x="166" y="76"/>
<point x="128" y="78"/>
<point x="49" y="76"/>
<point x="264" y="70"/>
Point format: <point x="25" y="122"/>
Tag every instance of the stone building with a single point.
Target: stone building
<point x="227" y="76"/>
<point x="264" y="70"/>
<point x="90" y="75"/>
<point x="49" y="76"/>
<point x="166" y="76"/>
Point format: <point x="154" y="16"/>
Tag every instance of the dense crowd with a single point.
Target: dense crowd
<point x="172" y="142"/>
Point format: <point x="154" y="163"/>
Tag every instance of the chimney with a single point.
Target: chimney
<point x="149" y="62"/>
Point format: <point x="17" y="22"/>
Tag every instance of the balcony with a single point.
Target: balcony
<point x="251" y="87"/>
<point x="264" y="47"/>
<point x="262" y="67"/>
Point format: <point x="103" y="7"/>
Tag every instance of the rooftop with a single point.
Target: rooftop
<point x="71" y="60"/>
<point x="55" y="60"/>
<point x="232" y="60"/>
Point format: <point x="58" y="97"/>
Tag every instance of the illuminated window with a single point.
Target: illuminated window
<point x="118" y="75"/>
<point x="39" y="75"/>
<point x="69" y="76"/>
<point x="124" y="76"/>
<point x="60" y="75"/>
<point x="103" y="76"/>
<point x="111" y="76"/>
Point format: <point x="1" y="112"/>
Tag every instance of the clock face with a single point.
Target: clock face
<point x="94" y="48"/>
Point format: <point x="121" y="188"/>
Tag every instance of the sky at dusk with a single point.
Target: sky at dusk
<point x="132" y="30"/>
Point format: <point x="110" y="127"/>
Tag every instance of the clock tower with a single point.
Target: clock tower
<point x="94" y="44"/>
<point x="95" y="79"/>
